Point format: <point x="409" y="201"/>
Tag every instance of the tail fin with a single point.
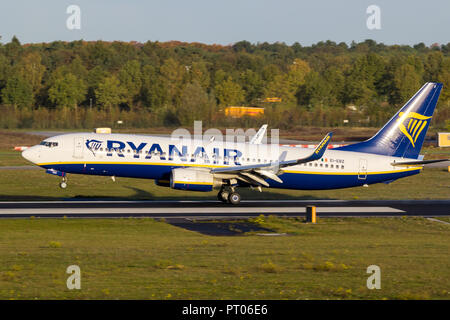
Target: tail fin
<point x="404" y="134"/>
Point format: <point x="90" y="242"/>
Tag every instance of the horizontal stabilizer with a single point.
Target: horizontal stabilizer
<point x="417" y="163"/>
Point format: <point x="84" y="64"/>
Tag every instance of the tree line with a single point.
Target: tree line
<point x="79" y="83"/>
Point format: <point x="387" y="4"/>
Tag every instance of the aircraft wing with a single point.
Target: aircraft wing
<point x="315" y="155"/>
<point x="257" y="173"/>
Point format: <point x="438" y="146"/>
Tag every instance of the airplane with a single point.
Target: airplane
<point x="207" y="164"/>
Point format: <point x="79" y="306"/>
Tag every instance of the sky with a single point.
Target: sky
<point x="227" y="21"/>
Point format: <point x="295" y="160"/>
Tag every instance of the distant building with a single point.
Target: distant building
<point x="102" y="130"/>
<point x="272" y="99"/>
<point x="444" y="139"/>
<point x="240" y="111"/>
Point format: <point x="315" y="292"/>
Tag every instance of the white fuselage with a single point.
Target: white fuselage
<point x="153" y="157"/>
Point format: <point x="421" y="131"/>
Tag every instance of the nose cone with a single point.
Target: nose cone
<point x="31" y="154"/>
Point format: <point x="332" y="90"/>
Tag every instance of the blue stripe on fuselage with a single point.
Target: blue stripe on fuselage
<point x="301" y="181"/>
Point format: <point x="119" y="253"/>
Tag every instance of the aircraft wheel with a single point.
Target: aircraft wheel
<point x="63" y="185"/>
<point x="234" y="198"/>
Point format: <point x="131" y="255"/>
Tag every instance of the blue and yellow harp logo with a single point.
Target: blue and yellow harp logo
<point x="93" y="145"/>
<point x="412" y="124"/>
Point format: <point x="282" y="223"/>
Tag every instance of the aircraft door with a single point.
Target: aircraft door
<point x="362" y="171"/>
<point x="78" y="147"/>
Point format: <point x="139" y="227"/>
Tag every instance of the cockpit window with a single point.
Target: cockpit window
<point x="49" y="144"/>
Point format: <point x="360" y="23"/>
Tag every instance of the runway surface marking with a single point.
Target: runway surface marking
<point x="231" y="210"/>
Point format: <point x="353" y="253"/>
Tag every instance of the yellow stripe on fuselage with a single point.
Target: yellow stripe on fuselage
<point x="133" y="163"/>
<point x="218" y="166"/>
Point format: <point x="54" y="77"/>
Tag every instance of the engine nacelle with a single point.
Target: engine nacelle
<point x="192" y="179"/>
<point x="163" y="183"/>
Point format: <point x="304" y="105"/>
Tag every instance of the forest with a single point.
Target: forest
<point x="85" y="84"/>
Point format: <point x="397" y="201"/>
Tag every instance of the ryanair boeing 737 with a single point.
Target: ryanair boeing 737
<point x="205" y="164"/>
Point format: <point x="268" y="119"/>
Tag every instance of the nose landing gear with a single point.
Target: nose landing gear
<point x="63" y="183"/>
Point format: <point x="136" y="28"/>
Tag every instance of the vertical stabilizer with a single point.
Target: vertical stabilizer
<point x="404" y="134"/>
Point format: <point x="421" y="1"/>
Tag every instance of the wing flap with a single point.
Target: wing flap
<point x="269" y="175"/>
<point x="254" y="177"/>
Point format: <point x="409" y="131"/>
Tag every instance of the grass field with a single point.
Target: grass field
<point x="147" y="259"/>
<point x="12" y="158"/>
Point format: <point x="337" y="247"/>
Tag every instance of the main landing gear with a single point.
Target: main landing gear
<point x="229" y="195"/>
<point x="63" y="183"/>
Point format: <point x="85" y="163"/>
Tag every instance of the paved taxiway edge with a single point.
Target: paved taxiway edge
<point x="215" y="210"/>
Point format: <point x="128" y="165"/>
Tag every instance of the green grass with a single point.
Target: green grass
<point x="432" y="183"/>
<point x="12" y="158"/>
<point x="146" y="259"/>
<point x="436" y="153"/>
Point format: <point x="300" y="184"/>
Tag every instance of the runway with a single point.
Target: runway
<point x="216" y="210"/>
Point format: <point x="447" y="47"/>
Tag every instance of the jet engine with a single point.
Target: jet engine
<point x="193" y="179"/>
